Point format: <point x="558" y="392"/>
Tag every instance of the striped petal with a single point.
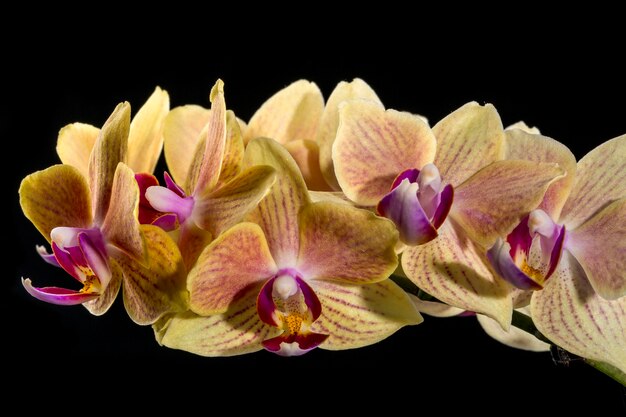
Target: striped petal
<point x="57" y="196"/>
<point x="373" y="146"/>
<point x="181" y="132"/>
<point x="235" y="332"/>
<point x="514" y="337"/>
<point x="599" y="245"/>
<point x="357" y="89"/>
<point x="277" y="213"/>
<point x="203" y="176"/>
<point x="101" y="305"/>
<point x="292" y="113"/>
<point x="346" y="244"/>
<point x="74" y="145"/>
<point x="191" y="241"/>
<point x="121" y="225"/>
<point x="306" y="154"/>
<point x="454" y="270"/>
<point x="359" y="315"/>
<point x="233" y="262"/>
<point x="537" y="148"/>
<point x="467" y="140"/>
<point x="145" y="138"/>
<point x="109" y="150"/>
<point x="159" y="287"/>
<point x="233" y="152"/>
<point x="435" y="308"/>
<point x="600" y="179"/>
<point x="570" y="313"/>
<point x="230" y="203"/>
<point x="493" y="201"/>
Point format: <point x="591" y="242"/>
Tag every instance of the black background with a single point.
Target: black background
<point x="568" y="84"/>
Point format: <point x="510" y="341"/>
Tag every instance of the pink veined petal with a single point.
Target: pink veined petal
<point x="373" y="146"/>
<point x="570" y="313"/>
<point x="56" y="295"/>
<point x="599" y="245"/>
<point x="306" y="154"/>
<point x="600" y="179"/>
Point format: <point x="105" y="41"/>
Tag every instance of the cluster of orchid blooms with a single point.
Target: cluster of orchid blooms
<point x="292" y="231"/>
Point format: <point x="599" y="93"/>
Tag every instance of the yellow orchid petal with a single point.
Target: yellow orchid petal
<point x="145" y="138"/>
<point x="204" y="173"/>
<point x="121" y="226"/>
<point x="345" y="244"/>
<point x="534" y="147"/>
<point x="514" y="337"/>
<point x="435" y="308"/>
<point x="570" y="313"/>
<point x="454" y="270"/>
<point x="74" y="145"/>
<point x="110" y="149"/>
<point x="292" y="113"/>
<point x="230" y="203"/>
<point x="57" y="196"/>
<point x="101" y="305"/>
<point x="306" y="154"/>
<point x="192" y="240"/>
<point x="359" y="315"/>
<point x="235" y="332"/>
<point x="493" y="201"/>
<point x="233" y="152"/>
<point x="357" y="89"/>
<point x="373" y="146"/>
<point x="599" y="245"/>
<point x="159" y="287"/>
<point x="330" y="196"/>
<point x="467" y="140"/>
<point x="600" y="179"/>
<point x="233" y="262"/>
<point x="182" y="128"/>
<point x="277" y="213"/>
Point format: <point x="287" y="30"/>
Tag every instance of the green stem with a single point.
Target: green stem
<point x="521" y="321"/>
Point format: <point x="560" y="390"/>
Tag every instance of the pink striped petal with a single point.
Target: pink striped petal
<point x="342" y="243"/>
<point x="109" y="150"/>
<point x="468" y="139"/>
<point x="373" y="146"/>
<point x="359" y="315"/>
<point x="570" y="313"/>
<point x="191" y="241"/>
<point x="159" y="286"/>
<point x="74" y="145"/>
<point x="121" y="224"/>
<point x="277" y="213"/>
<point x="492" y="201"/>
<point x="292" y="113"/>
<point x="181" y="131"/>
<point x="234" y="149"/>
<point x="600" y="179"/>
<point x="599" y="245"/>
<point x="56" y="295"/>
<point x="234" y="261"/>
<point x="357" y="89"/>
<point x="231" y="202"/>
<point x="57" y="196"/>
<point x="454" y="270"/>
<point x="145" y="137"/>
<point x="306" y="154"/>
<point x="537" y="148"/>
<point x="234" y="332"/>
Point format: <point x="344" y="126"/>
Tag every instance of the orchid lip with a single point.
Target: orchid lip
<point x="418" y="204"/>
<point x="167" y="200"/>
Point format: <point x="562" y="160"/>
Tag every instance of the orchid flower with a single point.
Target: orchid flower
<point x="215" y="193"/>
<point x="145" y="138"/>
<point x="297" y="118"/>
<point x="570" y="251"/>
<point x="377" y="150"/>
<point x="95" y="236"/>
<point x="300" y="275"/>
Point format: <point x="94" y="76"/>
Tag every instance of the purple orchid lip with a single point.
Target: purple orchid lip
<point x="166" y="200"/>
<point x="418" y="204"/>
<point x="292" y="317"/>
<point x="46" y="256"/>
<point x="510" y="258"/>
